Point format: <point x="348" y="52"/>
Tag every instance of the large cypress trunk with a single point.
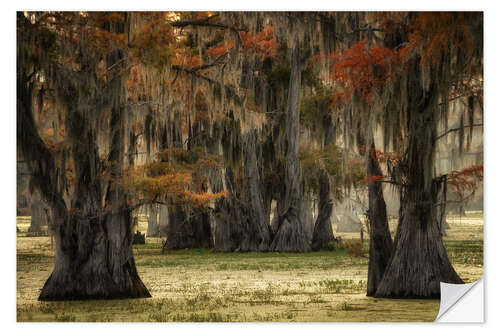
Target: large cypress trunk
<point x="242" y="223"/>
<point x="323" y="232"/>
<point x="257" y="234"/>
<point x="93" y="252"/>
<point x="290" y="235"/>
<point x="380" y="236"/>
<point x="229" y="228"/>
<point x="419" y="261"/>
<point x="241" y="220"/>
<point x="94" y="258"/>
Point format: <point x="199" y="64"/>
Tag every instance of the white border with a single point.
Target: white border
<point x="492" y="165"/>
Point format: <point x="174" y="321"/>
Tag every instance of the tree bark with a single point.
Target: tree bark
<point x="153" y="226"/>
<point x="39" y="214"/>
<point x="163" y="216"/>
<point x="188" y="230"/>
<point x="306" y="211"/>
<point x="222" y="235"/>
<point x="93" y="252"/>
<point x="380" y="236"/>
<point x="242" y="224"/>
<point x="179" y="231"/>
<point x="94" y="258"/>
<point x="229" y="225"/>
<point x="290" y="235"/>
<point x="257" y="229"/>
<point x="22" y="203"/>
<point x="201" y="227"/>
<point x="323" y="232"/>
<point x="419" y="261"/>
<point x="36" y="217"/>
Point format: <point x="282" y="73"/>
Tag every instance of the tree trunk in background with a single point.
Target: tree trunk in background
<point x="22" y="203"/>
<point x="38" y="215"/>
<point x="257" y="235"/>
<point x="380" y="236"/>
<point x="222" y="219"/>
<point x="188" y="231"/>
<point x="290" y="236"/>
<point x="153" y="226"/>
<point x="179" y="230"/>
<point x="222" y="233"/>
<point x="163" y="220"/>
<point x="306" y="216"/>
<point x="419" y="261"/>
<point x="323" y="232"/>
<point x="242" y="222"/>
<point x="200" y="221"/>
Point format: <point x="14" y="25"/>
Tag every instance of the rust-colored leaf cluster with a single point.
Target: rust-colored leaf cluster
<point x="205" y="198"/>
<point x="263" y="43"/>
<point x="362" y="69"/>
<point x="216" y="51"/>
<point x="381" y="156"/>
<point x="465" y="181"/>
<point x="371" y="179"/>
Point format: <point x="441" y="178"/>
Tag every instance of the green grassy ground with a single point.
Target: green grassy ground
<point x="198" y="285"/>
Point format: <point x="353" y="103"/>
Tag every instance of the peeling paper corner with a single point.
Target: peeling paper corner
<point x="461" y="303"/>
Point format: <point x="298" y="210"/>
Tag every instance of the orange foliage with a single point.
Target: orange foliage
<point x="366" y="68"/>
<point x="435" y="33"/>
<point x="172" y="184"/>
<point x="381" y="156"/>
<point x="205" y="198"/>
<point x="338" y="98"/>
<point x="155" y="40"/>
<point x="217" y="51"/>
<point x="210" y="161"/>
<point x="466" y="180"/>
<point x="175" y="185"/>
<point x="178" y="175"/>
<point x="263" y="44"/>
<point x="186" y="61"/>
<point x="49" y="132"/>
<point x="137" y="126"/>
<point x="373" y="179"/>
<point x="362" y="69"/>
<point x="353" y="248"/>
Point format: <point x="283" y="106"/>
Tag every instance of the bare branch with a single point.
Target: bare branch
<point x="205" y="23"/>
<point x="454" y="130"/>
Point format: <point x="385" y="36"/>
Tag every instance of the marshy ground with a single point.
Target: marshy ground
<point x="198" y="285"/>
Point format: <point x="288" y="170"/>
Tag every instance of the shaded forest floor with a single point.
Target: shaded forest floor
<point x="198" y="285"/>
